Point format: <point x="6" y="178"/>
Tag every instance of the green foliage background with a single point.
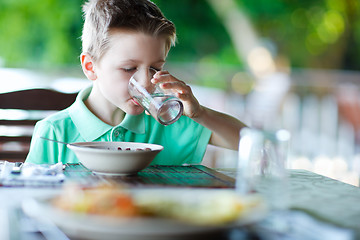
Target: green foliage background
<point x="40" y="33"/>
<point x="315" y="34"/>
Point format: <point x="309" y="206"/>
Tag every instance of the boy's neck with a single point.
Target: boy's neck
<point x="102" y="109"/>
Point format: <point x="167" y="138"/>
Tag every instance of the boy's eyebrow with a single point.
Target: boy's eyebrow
<point x="135" y="61"/>
<point x="161" y="61"/>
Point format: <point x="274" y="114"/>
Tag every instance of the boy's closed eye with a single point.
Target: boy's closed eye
<point x="129" y="70"/>
<point x="132" y="70"/>
<point x="156" y="69"/>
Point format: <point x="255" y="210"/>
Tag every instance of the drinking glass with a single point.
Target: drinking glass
<point x="160" y="103"/>
<point x="262" y="165"/>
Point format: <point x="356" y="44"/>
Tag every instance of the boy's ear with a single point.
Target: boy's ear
<point x="88" y="66"/>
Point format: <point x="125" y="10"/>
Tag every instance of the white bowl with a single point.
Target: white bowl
<point x="115" y="158"/>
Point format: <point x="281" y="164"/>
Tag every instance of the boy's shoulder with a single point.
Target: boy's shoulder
<point x="60" y="116"/>
<point x="56" y="122"/>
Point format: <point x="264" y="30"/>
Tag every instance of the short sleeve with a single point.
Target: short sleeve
<point x="43" y="151"/>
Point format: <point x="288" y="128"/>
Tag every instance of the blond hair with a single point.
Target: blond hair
<point x="102" y="16"/>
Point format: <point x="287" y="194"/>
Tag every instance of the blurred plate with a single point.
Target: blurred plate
<point x="87" y="226"/>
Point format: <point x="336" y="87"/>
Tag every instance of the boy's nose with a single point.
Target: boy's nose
<point x="145" y="75"/>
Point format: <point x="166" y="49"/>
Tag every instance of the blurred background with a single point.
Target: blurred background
<point x="272" y="64"/>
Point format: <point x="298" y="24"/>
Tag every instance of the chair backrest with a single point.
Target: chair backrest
<point x="19" y="111"/>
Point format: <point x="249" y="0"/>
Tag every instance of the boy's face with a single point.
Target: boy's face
<point x="128" y="52"/>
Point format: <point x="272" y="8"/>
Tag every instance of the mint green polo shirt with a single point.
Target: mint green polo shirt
<point x="184" y="141"/>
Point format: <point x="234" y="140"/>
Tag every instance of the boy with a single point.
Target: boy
<point x="119" y="38"/>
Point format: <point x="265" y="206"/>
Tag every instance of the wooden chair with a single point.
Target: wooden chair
<point x="19" y="111"/>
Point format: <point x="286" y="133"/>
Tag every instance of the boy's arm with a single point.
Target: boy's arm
<point x="225" y="129"/>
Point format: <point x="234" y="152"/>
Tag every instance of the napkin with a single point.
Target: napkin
<point x="32" y="174"/>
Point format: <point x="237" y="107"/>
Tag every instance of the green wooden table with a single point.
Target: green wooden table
<point x="324" y="198"/>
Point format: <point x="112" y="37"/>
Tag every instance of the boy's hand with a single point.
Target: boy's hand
<point x="192" y="108"/>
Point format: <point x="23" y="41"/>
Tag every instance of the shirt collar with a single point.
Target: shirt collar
<point x="134" y="123"/>
<point x="91" y="127"/>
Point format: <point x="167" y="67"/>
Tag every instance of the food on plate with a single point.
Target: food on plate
<point x="191" y="206"/>
<point x="102" y="200"/>
<point x="221" y="207"/>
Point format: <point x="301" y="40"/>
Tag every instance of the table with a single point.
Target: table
<point x="333" y="202"/>
<point x="322" y="197"/>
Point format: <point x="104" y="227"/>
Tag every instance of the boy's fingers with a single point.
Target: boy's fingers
<point x="179" y="86"/>
<point x="161" y="73"/>
<point x="163" y="77"/>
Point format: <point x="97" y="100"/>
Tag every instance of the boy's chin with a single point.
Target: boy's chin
<point x="136" y="111"/>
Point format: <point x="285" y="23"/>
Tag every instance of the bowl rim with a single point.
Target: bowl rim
<point x="80" y="146"/>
